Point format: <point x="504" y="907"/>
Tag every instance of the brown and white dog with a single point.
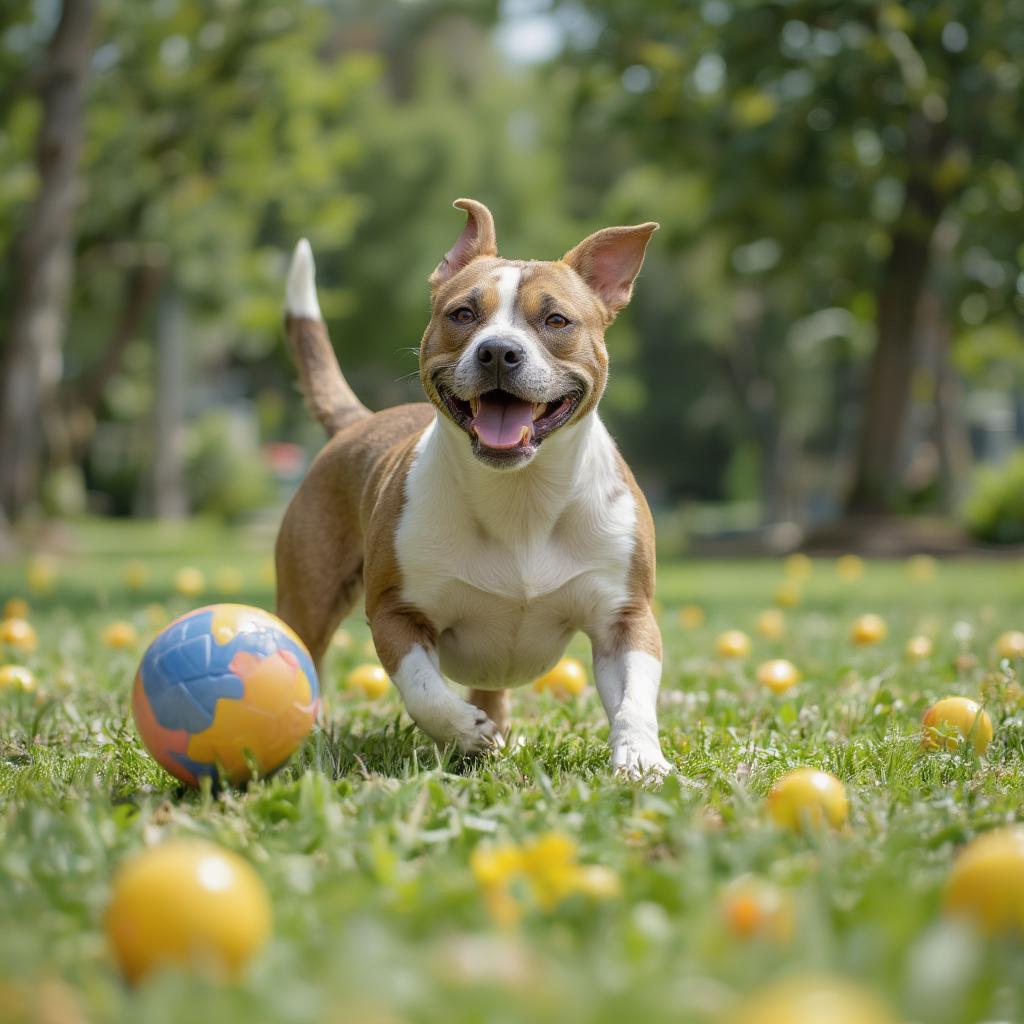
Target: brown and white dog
<point x="492" y="524"/>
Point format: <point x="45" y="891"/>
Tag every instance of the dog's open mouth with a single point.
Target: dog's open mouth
<point x="503" y="422"/>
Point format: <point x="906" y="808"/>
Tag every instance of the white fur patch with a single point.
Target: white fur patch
<point x="300" y="291"/>
<point x="502" y="324"/>
<point x="436" y="710"/>
<point x="508" y="566"/>
<point x="628" y="684"/>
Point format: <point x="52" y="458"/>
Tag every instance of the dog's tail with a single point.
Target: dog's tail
<point x="327" y="393"/>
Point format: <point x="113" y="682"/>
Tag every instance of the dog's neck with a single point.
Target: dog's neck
<point x="517" y="505"/>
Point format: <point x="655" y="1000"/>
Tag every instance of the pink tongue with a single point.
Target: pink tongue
<point x="500" y="424"/>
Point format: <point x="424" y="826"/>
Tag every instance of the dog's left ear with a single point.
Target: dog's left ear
<point x="477" y="239"/>
<point x="609" y="260"/>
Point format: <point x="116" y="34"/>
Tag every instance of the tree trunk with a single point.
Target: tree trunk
<point x="170" y="500"/>
<point x="886" y="400"/>
<point x="43" y="267"/>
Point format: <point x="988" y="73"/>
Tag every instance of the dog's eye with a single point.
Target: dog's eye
<point x="462" y="315"/>
<point x="557" y="321"/>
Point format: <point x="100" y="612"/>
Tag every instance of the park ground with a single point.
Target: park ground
<point x="368" y="839"/>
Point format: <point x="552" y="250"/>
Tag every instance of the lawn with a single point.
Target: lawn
<point x="365" y="839"/>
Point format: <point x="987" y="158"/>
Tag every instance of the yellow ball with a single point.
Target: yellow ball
<point x="41" y="574"/>
<point x="788" y="594"/>
<point x="771" y="623"/>
<point x="189" y="581"/>
<point x="16" y="677"/>
<point x="1010" y="644"/>
<point x="953" y="718"/>
<point x="919" y="647"/>
<point x="733" y="643"/>
<point x="868" y="629"/>
<point x="811" y="1001"/>
<point x="798" y="566"/>
<point x="229" y="580"/>
<point x="567" y="679"/>
<point x="120" y="634"/>
<point x="850" y="568"/>
<point x="691" y="616"/>
<point x="921" y="568"/>
<point x="135" y="575"/>
<point x="778" y="675"/>
<point x="16" y="608"/>
<point x="754" y="908"/>
<point x="18" y="634"/>
<point x="187" y="903"/>
<point x="986" y="883"/>
<point x="371" y="679"/>
<point x="808" y="797"/>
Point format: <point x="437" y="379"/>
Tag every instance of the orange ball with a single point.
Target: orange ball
<point x="868" y="629"/>
<point x="16" y="677"/>
<point x="811" y="1001"/>
<point x="187" y="904"/>
<point x="372" y="680"/>
<point x="808" y="797"/>
<point x="778" y="675"/>
<point x="771" y="623"/>
<point x="1010" y="644"/>
<point x="733" y="643"/>
<point x="120" y="634"/>
<point x="691" y="616"/>
<point x="956" y="715"/>
<point x="753" y="908"/>
<point x="18" y="634"/>
<point x="919" y="647"/>
<point x="986" y="883"/>
<point x="567" y="679"/>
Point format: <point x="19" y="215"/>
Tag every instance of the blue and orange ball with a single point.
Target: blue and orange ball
<point x="224" y="691"/>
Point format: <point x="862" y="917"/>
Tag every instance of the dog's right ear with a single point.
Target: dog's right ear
<point x="477" y="239"/>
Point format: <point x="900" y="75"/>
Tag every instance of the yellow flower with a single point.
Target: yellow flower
<point x="798" y="566"/>
<point x="549" y="864"/>
<point x="496" y="865"/>
<point x="850" y="568"/>
<point x="549" y="867"/>
<point x="41" y="574"/>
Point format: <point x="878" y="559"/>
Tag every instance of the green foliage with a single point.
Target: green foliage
<point x="995" y="509"/>
<point x="364" y="840"/>
<point x="227" y="476"/>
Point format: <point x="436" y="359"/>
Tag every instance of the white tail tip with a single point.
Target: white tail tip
<point x="300" y="291"/>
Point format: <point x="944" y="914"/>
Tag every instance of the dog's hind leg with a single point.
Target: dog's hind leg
<point x="319" y="580"/>
<point x="495" y="704"/>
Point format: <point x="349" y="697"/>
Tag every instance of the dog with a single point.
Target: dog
<point x="489" y="525"/>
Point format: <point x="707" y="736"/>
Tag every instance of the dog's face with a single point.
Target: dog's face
<point x="514" y="350"/>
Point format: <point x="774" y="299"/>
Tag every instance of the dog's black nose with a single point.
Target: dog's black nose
<point x="500" y="352"/>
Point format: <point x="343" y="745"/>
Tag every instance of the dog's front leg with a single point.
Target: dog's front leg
<point x="627" y="670"/>
<point x="406" y="647"/>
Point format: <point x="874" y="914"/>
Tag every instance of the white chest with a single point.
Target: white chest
<point x="507" y="567"/>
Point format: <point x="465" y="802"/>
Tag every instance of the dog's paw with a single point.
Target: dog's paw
<point x="464" y="725"/>
<point x="475" y="732"/>
<point x="639" y="758"/>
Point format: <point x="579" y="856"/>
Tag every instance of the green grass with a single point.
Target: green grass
<point x="364" y="839"/>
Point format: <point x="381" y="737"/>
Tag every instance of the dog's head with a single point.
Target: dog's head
<point x="514" y="350"/>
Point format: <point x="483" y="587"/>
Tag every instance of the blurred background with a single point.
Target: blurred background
<point x="825" y="344"/>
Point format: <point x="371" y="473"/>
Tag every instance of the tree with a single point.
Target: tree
<point x="42" y="266"/>
<point x="833" y="138"/>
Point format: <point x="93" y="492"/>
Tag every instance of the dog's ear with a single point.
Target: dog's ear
<point x="609" y="260"/>
<point x="477" y="239"/>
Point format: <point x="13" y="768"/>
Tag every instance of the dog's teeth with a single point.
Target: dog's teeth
<point x="525" y="434"/>
<point x="538" y="410"/>
<point x="474" y="406"/>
